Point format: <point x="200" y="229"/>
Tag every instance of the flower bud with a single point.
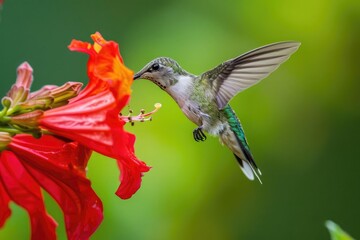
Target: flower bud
<point x="29" y="120"/>
<point x="42" y="103"/>
<point x="20" y="90"/>
<point x="62" y="94"/>
<point x="59" y="95"/>
<point x="24" y="75"/>
<point x="51" y="96"/>
<point x="42" y="91"/>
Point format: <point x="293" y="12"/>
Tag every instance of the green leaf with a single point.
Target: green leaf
<point x="336" y="232"/>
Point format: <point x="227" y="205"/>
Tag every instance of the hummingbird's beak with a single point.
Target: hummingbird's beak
<point x="137" y="76"/>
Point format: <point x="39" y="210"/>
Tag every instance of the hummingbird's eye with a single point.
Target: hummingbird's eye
<point x="155" y="66"/>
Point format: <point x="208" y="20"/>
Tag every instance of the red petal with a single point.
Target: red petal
<point x="80" y="46"/>
<point x="92" y="121"/>
<point x="105" y="68"/>
<point x="131" y="170"/>
<point x="5" y="211"/>
<point x="107" y="72"/>
<point x="25" y="192"/>
<point x="108" y="67"/>
<point x="59" y="169"/>
<point x="92" y="117"/>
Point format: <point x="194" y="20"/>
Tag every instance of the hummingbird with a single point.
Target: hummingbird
<point x="204" y="99"/>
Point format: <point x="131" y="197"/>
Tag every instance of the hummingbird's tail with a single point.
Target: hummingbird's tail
<point x="234" y="138"/>
<point x="249" y="168"/>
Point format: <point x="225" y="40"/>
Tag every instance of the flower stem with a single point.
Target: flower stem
<point x="3" y="112"/>
<point x="4" y="119"/>
<point x="12" y="110"/>
<point x="10" y="130"/>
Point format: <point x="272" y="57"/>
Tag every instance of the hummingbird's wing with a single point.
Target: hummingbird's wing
<point x="240" y="73"/>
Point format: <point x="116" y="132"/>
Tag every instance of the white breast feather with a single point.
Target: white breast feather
<point x="181" y="90"/>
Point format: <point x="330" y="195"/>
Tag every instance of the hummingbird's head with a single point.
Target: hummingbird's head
<point x="162" y="71"/>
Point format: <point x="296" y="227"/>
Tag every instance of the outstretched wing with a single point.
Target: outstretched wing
<point x="240" y="73"/>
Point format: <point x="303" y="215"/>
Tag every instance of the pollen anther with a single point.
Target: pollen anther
<point x="141" y="117"/>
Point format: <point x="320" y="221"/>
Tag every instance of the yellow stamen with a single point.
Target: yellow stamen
<point x="142" y="117"/>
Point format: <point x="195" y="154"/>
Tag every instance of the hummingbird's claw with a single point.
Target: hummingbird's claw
<point x="199" y="134"/>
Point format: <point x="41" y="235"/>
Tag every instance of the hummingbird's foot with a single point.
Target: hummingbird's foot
<point x="199" y="134"/>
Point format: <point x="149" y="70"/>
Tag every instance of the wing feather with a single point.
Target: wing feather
<point x="240" y="73"/>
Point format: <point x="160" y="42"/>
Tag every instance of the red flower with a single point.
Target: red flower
<point x="57" y="166"/>
<point x="92" y="118"/>
<point x="69" y="124"/>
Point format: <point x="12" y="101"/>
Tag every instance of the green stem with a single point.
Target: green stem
<point x="10" y="130"/>
<point x="12" y="110"/>
<point x="3" y="112"/>
<point x="4" y="119"/>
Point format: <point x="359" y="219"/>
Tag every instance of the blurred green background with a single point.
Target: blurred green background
<point x="302" y="122"/>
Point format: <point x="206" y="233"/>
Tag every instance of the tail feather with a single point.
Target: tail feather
<point x="248" y="169"/>
<point x="241" y="150"/>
